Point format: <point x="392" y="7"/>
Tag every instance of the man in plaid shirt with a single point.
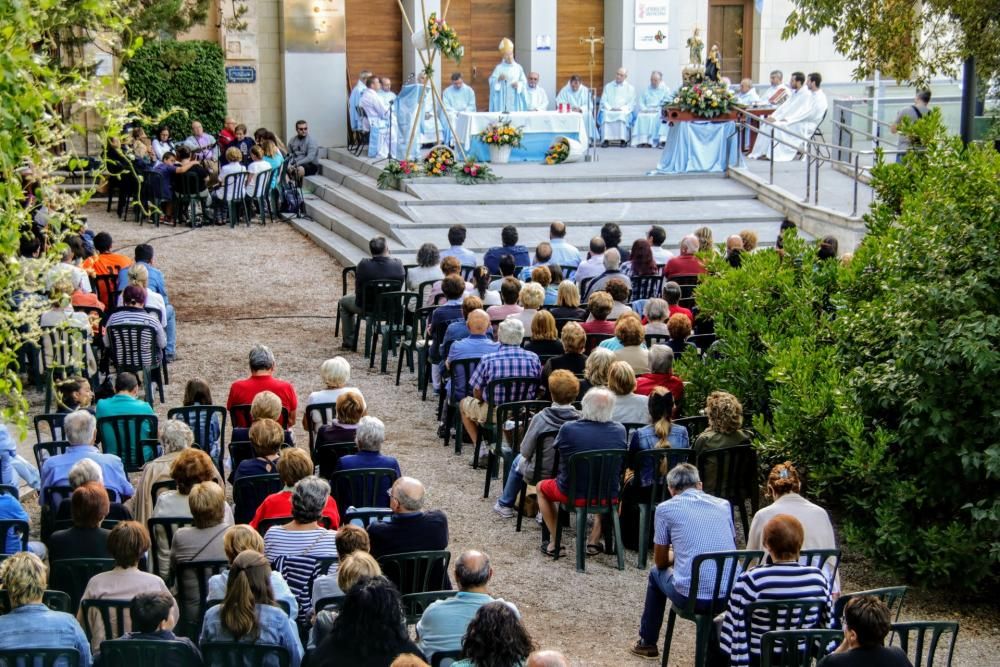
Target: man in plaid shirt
<point x="509" y="361"/>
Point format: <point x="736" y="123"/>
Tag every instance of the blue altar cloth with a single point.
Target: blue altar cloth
<point x="533" y="147"/>
<point x="700" y="146"/>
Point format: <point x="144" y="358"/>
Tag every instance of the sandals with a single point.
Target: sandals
<point x="552" y="554"/>
<point x="595" y="549"/>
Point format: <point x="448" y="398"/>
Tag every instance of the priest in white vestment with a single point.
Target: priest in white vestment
<point x="778" y="92"/>
<point x="388" y="97"/>
<point x="355" y="98"/>
<point x="577" y="96"/>
<point x="649" y="130"/>
<point x="535" y="96"/>
<point x="747" y="95"/>
<point x="457" y="98"/>
<point x="802" y="124"/>
<point x="798" y="100"/>
<point x="375" y="120"/>
<point x="508" y="82"/>
<point x="617" y="103"/>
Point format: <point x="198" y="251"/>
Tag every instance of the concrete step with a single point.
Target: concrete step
<point x="370" y="212"/>
<point x="347" y="226"/>
<point x="366" y="186"/>
<point x="333" y="244"/>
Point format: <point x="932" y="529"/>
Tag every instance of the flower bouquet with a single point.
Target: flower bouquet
<point x="502" y="133"/>
<point x="395" y="171"/>
<point x="444" y="37"/>
<point x="473" y="172"/>
<point x="706" y="100"/>
<point x="558" y="152"/>
<point x="439" y="161"/>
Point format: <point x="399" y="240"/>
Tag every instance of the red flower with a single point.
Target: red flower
<point x="474" y="171"/>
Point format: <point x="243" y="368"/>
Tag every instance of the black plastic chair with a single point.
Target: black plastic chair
<point x="659" y="491"/>
<point x="40" y="657"/>
<point x="54" y="421"/>
<point x="415" y="604"/>
<point x="188" y="200"/>
<point x="54" y="600"/>
<point x="464" y="369"/>
<point x="796" y="648"/>
<point x="147" y="652"/>
<point x="922" y="648"/>
<point x="63" y="354"/>
<point x="199" y="418"/>
<point x="389" y="321"/>
<point x="688" y="283"/>
<point x="344" y="275"/>
<point x="437" y="660"/>
<point x="20" y="527"/>
<point x="10" y="490"/>
<point x="416" y="571"/>
<point x="370" y="310"/>
<point x="168" y="526"/>
<point x="317" y="415"/>
<point x="545" y="437"/>
<point x="239" y="654"/>
<point x="695" y="425"/>
<point x="110" y="613"/>
<point x="657" y="339"/>
<point x="646" y="287"/>
<point x="366" y="515"/>
<point x="250" y="491"/>
<point x="132" y="348"/>
<point x="161" y="487"/>
<point x="360" y="487"/>
<point x="733" y="477"/>
<point x="415" y="343"/>
<point x="126" y="432"/>
<point x="595" y="339"/>
<point x="71" y="575"/>
<point x="892" y="596"/>
<point x="105" y="287"/>
<point x="201" y="571"/>
<point x="329" y="454"/>
<point x="330" y="603"/>
<point x="266" y="524"/>
<point x="240" y="451"/>
<point x="45" y="450"/>
<point x="151" y="197"/>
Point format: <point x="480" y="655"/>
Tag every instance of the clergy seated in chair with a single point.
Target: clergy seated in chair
<point x="617" y="104"/>
<point x="649" y="130"/>
<point x="800" y="115"/>
<point x="457" y="98"/>
<point x="577" y="97"/>
<point x="375" y="118"/>
<point x="535" y="96"/>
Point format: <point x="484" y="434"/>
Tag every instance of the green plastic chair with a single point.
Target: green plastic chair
<point x="112" y="614"/>
<point x="513" y="389"/>
<point x="167" y="526"/>
<point x="54" y="600"/>
<point x="602" y="469"/>
<point x="146" y="652"/>
<point x="695" y="425"/>
<point x="317" y="415"/>
<point x="545" y="437"/>
<point x="199" y="418"/>
<point x="260" y="195"/>
<point x="63" y="354"/>
<point x="187" y="198"/>
<point x="658" y="493"/>
<point x="366" y="515"/>
<point x="451" y="398"/>
<point x="200" y="571"/>
<point x="238" y="654"/>
<point x="827" y="560"/>
<point x="734" y="478"/>
<point x="71" y="575"/>
<point x="926" y="641"/>
<point x="415" y="604"/>
<point x="779" y="615"/>
<point x="415" y="343"/>
<point x="40" y="657"/>
<point x="234" y="197"/>
<point x="331" y="603"/>
<point x="250" y="491"/>
<point x="370" y="311"/>
<point x="892" y="596"/>
<point x="796" y="648"/>
<point x="416" y="571"/>
<point x="162" y="486"/>
<point x="360" y="487"/>
<point x="520" y="413"/>
<point x="126" y="436"/>
<point x="329" y="454"/>
<point x="392" y="312"/>
<point x="723" y="567"/>
<point x="344" y="275"/>
<point x="127" y="345"/>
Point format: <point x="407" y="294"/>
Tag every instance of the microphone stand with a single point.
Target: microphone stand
<point x="390" y="156"/>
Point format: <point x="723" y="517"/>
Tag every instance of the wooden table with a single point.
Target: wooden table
<point x="749" y="138"/>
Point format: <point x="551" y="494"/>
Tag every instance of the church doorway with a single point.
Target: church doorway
<point x="374" y="33"/>
<point x="574" y="19"/>
<point x="480" y="27"/>
<point x="730" y="26"/>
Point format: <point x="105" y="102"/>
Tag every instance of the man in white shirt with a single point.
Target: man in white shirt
<point x="535" y="96"/>
<point x="801" y="121"/>
<point x="375" y="120"/>
<point x="563" y="252"/>
<point x="778" y="91"/>
<point x="457" y="98"/>
<point x="657" y="236"/>
<point x="799" y="101"/>
<point x="747" y="94"/>
<point x="649" y="129"/>
<point x="617" y="103"/>
<point x="67" y="269"/>
<point x="355" y="99"/>
<point x="577" y="96"/>
<point x="593" y="266"/>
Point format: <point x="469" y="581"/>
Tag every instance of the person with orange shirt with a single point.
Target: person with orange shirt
<point x="105" y="262"/>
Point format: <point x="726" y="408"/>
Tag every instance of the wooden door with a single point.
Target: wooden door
<point x="730" y="25"/>
<point x="374" y="36"/>
<point x="574" y="18"/>
<point x="480" y="26"/>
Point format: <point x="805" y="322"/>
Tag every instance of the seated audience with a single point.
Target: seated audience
<point x="344" y="428"/>
<point x="373" y="610"/>
<point x="458" y="329"/>
<point x="661" y="374"/>
<point x="672" y="294"/>
<point x="734" y="251"/>
<point x="450" y="266"/>
<point x="535" y="450"/>
<point x="456" y="237"/>
<point x="80" y="430"/>
<point x="629" y="343"/>
<point x="641" y="261"/>
<point x="89" y="506"/>
<point x="750" y="240"/>
<point x="127" y="543"/>
<point x="495" y="636"/>
<point x="780" y="577"/>
<point x="595" y="374"/>
<point x="600" y="305"/>
<point x="481" y="279"/>
<point x="544" y="339"/>
<point x="612" y="271"/>
<point x="475" y="346"/>
<point x="350" y="539"/>
<point x="175" y="437"/>
<point x="336" y="373"/>
<point x="543" y="257"/>
<point x="574" y="341"/>
<point x="353" y="568"/>
<point x="25" y="580"/>
<point x="867" y="620"/>
<point x="544" y="278"/>
<point x="783" y="486"/>
<point x="688" y="524"/>
<point x="105" y="262"/>
<point x="568" y="303"/>
<point x="510" y="291"/>
<point x="705" y="240"/>
<point x="138" y="275"/>
<point x="196" y="393"/>
<point x="380" y="267"/>
<point x="125" y="402"/>
<point x="371" y="437"/>
<point x="267" y="437"/>
<point x="619" y="291"/>
<point x="687" y="263"/>
<point x="725" y="422"/>
<point x="134" y="313"/>
<point x="14" y="468"/>
<point x="249" y="613"/>
<point x="411" y="528"/>
<point x="265" y="405"/>
<point x="427" y="269"/>
<point x="74" y="394"/>
<point x="150" y="614"/>
<point x="203" y="541"/>
<point x="532" y="298"/>
<point x="86" y="470"/>
<point x="630" y="407"/>
<point x="293" y="465"/>
<point x="656" y="312"/>
<point x="295" y="547"/>
<point x="236" y="540"/>
<point x="437" y="327"/>
<point x="679" y="328"/>
<point x="594" y="430"/>
<point x="242" y="392"/>
<point x="593" y="266"/>
<point x="519" y="254"/>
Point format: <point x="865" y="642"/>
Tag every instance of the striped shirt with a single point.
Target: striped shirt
<point x="294" y="554"/>
<point x="508" y="361"/>
<point x="777" y="581"/>
<point x="139" y="316"/>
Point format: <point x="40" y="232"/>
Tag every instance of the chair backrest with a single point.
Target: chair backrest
<point x="187" y="184"/>
<point x="769" y="615"/>
<point x="360" y="487"/>
<point x="200" y="571"/>
<point x="521" y="414"/>
<point x="584" y="284"/>
<point x="657" y="339"/>
<point x="721" y="568"/>
<point x="40" y="657"/>
<point x="332" y="602"/>
<point x="64" y="524"/>
<point x="319" y="414"/>
<point x="600" y="470"/>
<point x="240" y="451"/>
<point x="392" y="309"/>
<point x="240" y="416"/>
<point x="892" y="596"/>
<point x="19" y="527"/>
<point x="372" y="288"/>
<point x="328" y="454"/>
<point x="424" y="292"/>
<point x="238" y="654"/>
<point x="266" y="524"/>
<point x="71" y="575"/>
<point x="147" y="652"/>
<point x="250" y="491"/>
<point x="200" y="419"/>
<point x="166" y="526"/>
<point x="54" y="422"/>
<point x="415" y="604"/>
<point x="827" y="560"/>
<point x="262" y="179"/>
<point x="348" y="272"/>
<point x="105" y="286"/>
<point x="654" y="459"/>
<point x="151" y="187"/>
<point x="234" y="186"/>
<point x="460" y="371"/>
<point x="10" y="490"/>
<point x="796" y="648"/>
<point x="416" y="571"/>
<point x="112" y="614"/>
<point x="702" y="341"/>
<point x="595" y="339"/>
<point x="133" y="347"/>
<point x="44" y="450"/>
<point x="367" y="515"/>
<point x="921" y="642"/>
<point x="514" y="389"/>
<point x="695" y="425"/>
<point x="646" y="287"/>
<point x="63" y="348"/>
<point x="160" y="487"/>
<point x="734" y="472"/>
<point x="54" y="600"/>
<point x="126" y="433"/>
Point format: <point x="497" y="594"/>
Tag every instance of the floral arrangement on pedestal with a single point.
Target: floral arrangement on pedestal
<point x="395" y="171"/>
<point x="706" y="100"/>
<point x="473" y="172"/>
<point x="502" y="133"/>
<point x="439" y="161"/>
<point x="558" y="152"/>
<point x="444" y="37"/>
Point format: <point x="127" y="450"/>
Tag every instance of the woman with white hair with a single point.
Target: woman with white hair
<point x="532" y="298"/>
<point x="657" y="312"/>
<point x="370" y="436"/>
<point x="175" y="437"/>
<point x="83" y="471"/>
<point x="336" y="373"/>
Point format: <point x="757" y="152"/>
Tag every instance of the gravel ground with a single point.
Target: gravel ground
<point x="233" y="288"/>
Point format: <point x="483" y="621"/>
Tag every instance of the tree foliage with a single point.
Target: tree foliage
<point x="168" y="17"/>
<point x="907" y="40"/>
<point x="877" y="377"/>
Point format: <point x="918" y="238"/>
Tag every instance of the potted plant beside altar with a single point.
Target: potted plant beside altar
<point x="501" y="138"/>
<point x="701" y="101"/>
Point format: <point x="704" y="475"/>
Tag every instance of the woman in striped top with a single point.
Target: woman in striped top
<point x="294" y="548"/>
<point x="780" y="577"/>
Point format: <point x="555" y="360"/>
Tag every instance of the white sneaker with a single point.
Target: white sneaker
<point x="538" y="519"/>
<point x="505" y="512"/>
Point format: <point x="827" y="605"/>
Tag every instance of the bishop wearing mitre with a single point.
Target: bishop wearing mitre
<point x="508" y="82"/>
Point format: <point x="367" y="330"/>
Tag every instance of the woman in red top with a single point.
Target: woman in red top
<point x="293" y="465"/>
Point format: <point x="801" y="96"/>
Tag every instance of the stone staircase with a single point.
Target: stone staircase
<point x="345" y="208"/>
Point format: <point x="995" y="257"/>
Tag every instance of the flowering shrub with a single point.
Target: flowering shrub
<point x="473" y="172"/>
<point x="444" y="37"/>
<point x="558" y="152"/>
<point x="707" y="100"/>
<point x="502" y="133"/>
<point x="439" y="161"/>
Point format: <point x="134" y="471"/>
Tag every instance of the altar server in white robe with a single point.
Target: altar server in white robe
<point x="617" y="103"/>
<point x="458" y="98"/>
<point x="355" y="98"/>
<point x="577" y="96"/>
<point x="799" y="100"/>
<point x="778" y="92"/>
<point x="649" y="130"/>
<point x="508" y="82"/>
<point x="535" y="96"/>
<point x="388" y="97"/>
<point x="803" y="123"/>
<point x="375" y="119"/>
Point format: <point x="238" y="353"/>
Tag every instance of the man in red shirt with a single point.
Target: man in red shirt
<point x="686" y="263"/>
<point x="227" y="135"/>
<point x="262" y="378"/>
<point x="661" y="374"/>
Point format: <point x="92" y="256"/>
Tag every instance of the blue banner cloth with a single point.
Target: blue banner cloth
<point x="533" y="147"/>
<point x="700" y="146"/>
<point x="404" y="108"/>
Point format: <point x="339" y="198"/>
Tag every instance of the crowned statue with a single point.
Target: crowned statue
<point x="508" y="82"/>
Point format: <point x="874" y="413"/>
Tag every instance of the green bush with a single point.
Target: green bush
<point x="185" y="81"/>
<point x="878" y="378"/>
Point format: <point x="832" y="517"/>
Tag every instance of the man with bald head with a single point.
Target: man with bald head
<point x="411" y="528"/>
<point x="443" y="623"/>
<point x="593" y="266"/>
<point x="687" y="263"/>
<point x="534" y="95"/>
<point x="547" y="659"/>
<point x="562" y="251"/>
<point x="477" y="344"/>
